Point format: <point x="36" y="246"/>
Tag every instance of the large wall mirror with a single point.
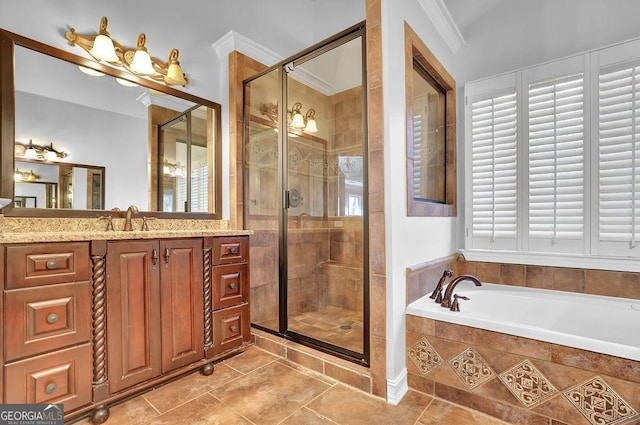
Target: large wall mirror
<point x="74" y="141"/>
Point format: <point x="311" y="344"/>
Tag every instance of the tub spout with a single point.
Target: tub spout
<point x="437" y="292"/>
<point x="446" y="301"/>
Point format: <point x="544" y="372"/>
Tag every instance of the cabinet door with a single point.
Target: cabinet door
<point x="182" y="302"/>
<point x="133" y="312"/>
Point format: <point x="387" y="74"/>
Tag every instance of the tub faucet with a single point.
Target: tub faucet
<point x="437" y="292"/>
<point x="446" y="301"/>
<point x="127" y="218"/>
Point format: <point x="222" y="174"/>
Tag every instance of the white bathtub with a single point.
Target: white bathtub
<point x="602" y="324"/>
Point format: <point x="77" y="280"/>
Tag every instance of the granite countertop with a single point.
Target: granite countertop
<point x="26" y="230"/>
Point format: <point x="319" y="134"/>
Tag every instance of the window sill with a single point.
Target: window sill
<point x="553" y="260"/>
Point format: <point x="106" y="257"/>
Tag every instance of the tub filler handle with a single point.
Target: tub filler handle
<point x="437" y="292"/>
<point x="455" y="306"/>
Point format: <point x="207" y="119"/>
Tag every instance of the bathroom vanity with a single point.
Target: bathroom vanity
<point x="89" y="322"/>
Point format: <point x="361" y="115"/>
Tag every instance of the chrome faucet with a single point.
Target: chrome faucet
<point x="446" y="301"/>
<point x="437" y="292"/>
<point x="127" y="221"/>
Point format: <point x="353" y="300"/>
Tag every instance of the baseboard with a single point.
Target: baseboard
<point x="397" y="388"/>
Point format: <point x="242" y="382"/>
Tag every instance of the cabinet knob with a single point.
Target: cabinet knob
<point x="52" y="265"/>
<point x="234" y="328"/>
<point x="233" y="285"/>
<point x="52" y="318"/>
<point x="50" y="389"/>
<point x="233" y="250"/>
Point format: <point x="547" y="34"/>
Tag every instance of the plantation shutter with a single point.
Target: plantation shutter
<point x="556" y="178"/>
<point x="619" y="156"/>
<point x="494" y="168"/>
<point x="417" y="156"/>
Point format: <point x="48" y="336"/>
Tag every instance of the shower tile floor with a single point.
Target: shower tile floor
<point x="258" y="388"/>
<point x="335" y="325"/>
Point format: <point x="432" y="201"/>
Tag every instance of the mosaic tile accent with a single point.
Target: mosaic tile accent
<point x="599" y="403"/>
<point x="528" y="384"/>
<point x="471" y="368"/>
<point x="424" y="356"/>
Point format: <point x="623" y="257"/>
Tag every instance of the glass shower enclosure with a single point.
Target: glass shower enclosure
<point x="305" y="168"/>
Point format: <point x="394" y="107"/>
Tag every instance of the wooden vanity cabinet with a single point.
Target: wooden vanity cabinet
<point x="230" y="298"/>
<point x="155" y="315"/>
<point x="47" y="332"/>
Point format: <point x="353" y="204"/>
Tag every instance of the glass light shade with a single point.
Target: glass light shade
<point x="90" y="71"/>
<point x="141" y="63"/>
<point x="103" y="49"/>
<point x="17" y="176"/>
<point x="51" y="156"/>
<point x="297" y="121"/>
<point x="175" y="76"/>
<point x="30" y="153"/>
<point x="311" y="126"/>
<point x="126" y="83"/>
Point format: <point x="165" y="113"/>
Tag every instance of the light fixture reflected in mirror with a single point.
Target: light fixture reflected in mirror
<point x="38" y="152"/>
<point x="296" y="120"/>
<point x="25" y="176"/>
<point x="104" y="48"/>
<point x="173" y="170"/>
<point x="90" y="71"/>
<point x="126" y="83"/>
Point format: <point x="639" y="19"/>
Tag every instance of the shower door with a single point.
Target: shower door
<point x="305" y="168"/>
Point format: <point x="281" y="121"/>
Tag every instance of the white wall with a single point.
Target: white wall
<point x="409" y="240"/>
<point x="91" y="137"/>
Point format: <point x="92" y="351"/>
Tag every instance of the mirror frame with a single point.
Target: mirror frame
<point x="8" y="41"/>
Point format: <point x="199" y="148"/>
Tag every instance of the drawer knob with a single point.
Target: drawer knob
<point x="233" y="285"/>
<point x="52" y="318"/>
<point x="233" y="250"/>
<point x="234" y="328"/>
<point x="50" y="389"/>
<point x="52" y="265"/>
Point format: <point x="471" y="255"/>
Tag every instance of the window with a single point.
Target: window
<point x="554" y="159"/>
<point x="431" y="138"/>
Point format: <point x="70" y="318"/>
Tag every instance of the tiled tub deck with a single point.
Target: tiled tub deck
<point x="518" y="380"/>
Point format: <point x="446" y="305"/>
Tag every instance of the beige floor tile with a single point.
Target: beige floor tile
<point x="135" y="411"/>
<point x="440" y="412"/>
<point x="306" y="417"/>
<point x="188" y="388"/>
<point x="348" y="406"/>
<point x="204" y="410"/>
<point x="270" y="394"/>
<point x="252" y="358"/>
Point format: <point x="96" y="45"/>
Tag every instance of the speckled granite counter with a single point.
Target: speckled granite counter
<point x="25" y="230"/>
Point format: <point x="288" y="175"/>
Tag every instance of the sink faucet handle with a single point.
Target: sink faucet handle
<point x="455" y="306"/>
<point x="145" y="223"/>
<point x="109" y="222"/>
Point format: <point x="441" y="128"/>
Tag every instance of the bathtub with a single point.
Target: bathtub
<point x="606" y="325"/>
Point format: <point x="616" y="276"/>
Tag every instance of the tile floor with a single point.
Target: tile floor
<point x="258" y="388"/>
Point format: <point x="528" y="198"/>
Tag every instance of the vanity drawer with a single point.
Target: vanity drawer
<point x="231" y="327"/>
<point x="47" y="318"/>
<point x="232" y="249"/>
<point x="230" y="285"/>
<point x="60" y="377"/>
<point x="46" y="264"/>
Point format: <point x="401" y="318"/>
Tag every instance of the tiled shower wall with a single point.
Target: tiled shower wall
<point x="422" y="278"/>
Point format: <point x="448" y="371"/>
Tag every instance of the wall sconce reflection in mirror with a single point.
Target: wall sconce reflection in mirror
<point x="137" y="61"/>
<point x="25" y="176"/>
<point x="38" y="152"/>
<point x="173" y="170"/>
<point x="295" y="118"/>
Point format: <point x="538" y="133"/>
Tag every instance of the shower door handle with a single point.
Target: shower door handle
<point x="292" y="199"/>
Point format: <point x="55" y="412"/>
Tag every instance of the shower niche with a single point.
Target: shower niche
<point x="305" y="180"/>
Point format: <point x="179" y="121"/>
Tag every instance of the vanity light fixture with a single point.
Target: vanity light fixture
<point x="39" y="152"/>
<point x="25" y="176"/>
<point x="173" y="170"/>
<point x="104" y="48"/>
<point x="295" y="118"/>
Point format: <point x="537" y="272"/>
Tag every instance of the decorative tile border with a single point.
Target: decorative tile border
<point x="528" y="384"/>
<point x="472" y="369"/>
<point x="599" y="403"/>
<point x="424" y="356"/>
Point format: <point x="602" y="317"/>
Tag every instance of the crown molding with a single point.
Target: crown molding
<point x="234" y="41"/>
<point x="170" y="102"/>
<point x="444" y="23"/>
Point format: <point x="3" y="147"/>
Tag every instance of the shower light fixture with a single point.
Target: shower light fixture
<point x="295" y="118"/>
<point x="103" y="48"/>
